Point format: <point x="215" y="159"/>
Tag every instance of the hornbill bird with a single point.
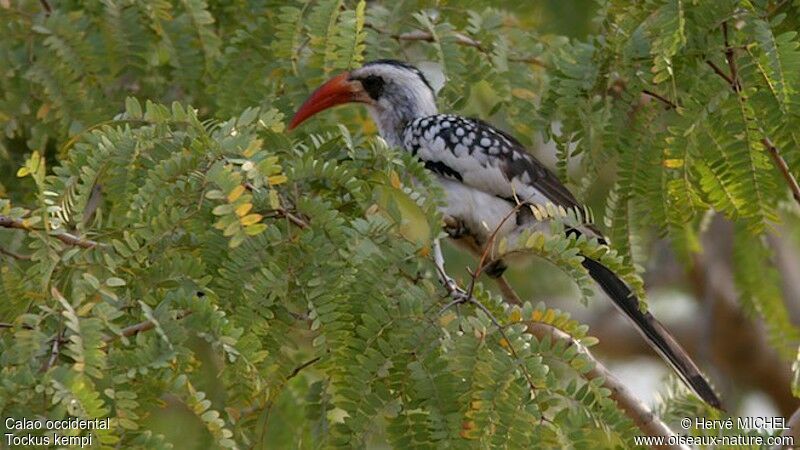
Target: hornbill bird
<point x="484" y="173"/>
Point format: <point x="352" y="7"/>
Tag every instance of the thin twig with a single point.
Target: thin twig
<point x="7" y="325"/>
<point x="489" y="246"/>
<point x="296" y="371"/>
<point x="67" y="238"/>
<point x="729" y="56"/>
<point x="292" y="218"/>
<point x="420" y="35"/>
<point x="283" y="212"/>
<point x="141" y="327"/>
<point x="300" y="368"/>
<point x="47" y="8"/>
<point x="783" y="168"/>
<point x="455" y="302"/>
<point x="529" y="60"/>
<point x="53" y="352"/>
<point x="719" y="72"/>
<point x="462" y="297"/>
<point x="460" y="38"/>
<point x="776" y="7"/>
<point x="7" y="252"/>
<point x="660" y="98"/>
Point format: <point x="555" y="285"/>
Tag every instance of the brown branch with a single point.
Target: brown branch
<point x="776" y="7"/>
<point x="420" y="35"/>
<point x="7" y="325"/>
<point x="460" y="38"/>
<point x="489" y="246"/>
<point x="780" y="163"/>
<point x="67" y="238"/>
<point x="47" y="8"/>
<point x="301" y="367"/>
<point x="282" y="212"/>
<point x="729" y="56"/>
<point x="292" y="218"/>
<point x="660" y="98"/>
<point x="529" y="60"/>
<point x="141" y="327"/>
<point x="53" y="352"/>
<point x="14" y="255"/>
<point x="719" y="72"/>
<point x="634" y="408"/>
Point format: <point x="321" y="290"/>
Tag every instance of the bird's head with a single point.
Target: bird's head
<point x="394" y="92"/>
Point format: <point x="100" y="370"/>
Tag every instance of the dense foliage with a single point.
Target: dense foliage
<point x="176" y="251"/>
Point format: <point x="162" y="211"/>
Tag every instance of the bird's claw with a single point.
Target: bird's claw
<point x="455" y="228"/>
<point x="454" y="290"/>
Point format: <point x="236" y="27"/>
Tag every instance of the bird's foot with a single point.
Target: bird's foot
<point x="454" y="227"/>
<point x="456" y="293"/>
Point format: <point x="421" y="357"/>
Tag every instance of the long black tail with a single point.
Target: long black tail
<point x="656" y="334"/>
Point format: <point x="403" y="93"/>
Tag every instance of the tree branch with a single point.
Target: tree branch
<point x="7" y="325"/>
<point x="282" y="212"/>
<point x="634" y="408"/>
<point x="460" y="38"/>
<point x="292" y="218"/>
<point x="53" y="352"/>
<point x="46" y="6"/>
<point x="301" y="367"/>
<point x="141" y="327"/>
<point x="780" y="163"/>
<point x="7" y="252"/>
<point x="719" y="72"/>
<point x="420" y="35"/>
<point x="735" y="85"/>
<point x="489" y="247"/>
<point x="660" y="98"/>
<point x="67" y="238"/>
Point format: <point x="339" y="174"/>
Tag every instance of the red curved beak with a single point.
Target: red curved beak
<point x="336" y="91"/>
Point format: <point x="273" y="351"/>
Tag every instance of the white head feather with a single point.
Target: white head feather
<point x="404" y="95"/>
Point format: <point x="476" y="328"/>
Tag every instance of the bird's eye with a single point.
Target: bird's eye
<point x="373" y="84"/>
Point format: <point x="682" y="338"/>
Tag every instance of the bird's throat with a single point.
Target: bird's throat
<point x="392" y="116"/>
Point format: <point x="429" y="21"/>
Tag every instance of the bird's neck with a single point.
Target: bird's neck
<point x="392" y="120"/>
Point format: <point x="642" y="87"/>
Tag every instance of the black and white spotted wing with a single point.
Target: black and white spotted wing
<point x="485" y="158"/>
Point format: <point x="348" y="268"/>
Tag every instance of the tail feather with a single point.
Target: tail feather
<point x="656" y="334"/>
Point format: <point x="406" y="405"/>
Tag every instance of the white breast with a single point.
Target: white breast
<point x="480" y="212"/>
